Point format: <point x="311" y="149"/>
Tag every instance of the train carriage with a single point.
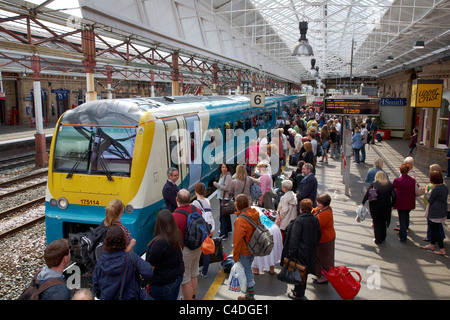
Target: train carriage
<point x="122" y="149"/>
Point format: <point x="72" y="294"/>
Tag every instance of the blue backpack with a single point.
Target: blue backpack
<point x="255" y="191"/>
<point x="196" y="229"/>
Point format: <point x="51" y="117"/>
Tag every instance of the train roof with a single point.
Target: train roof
<point x="129" y="111"/>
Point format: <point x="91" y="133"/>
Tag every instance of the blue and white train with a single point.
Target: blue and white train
<point x="122" y="149"/>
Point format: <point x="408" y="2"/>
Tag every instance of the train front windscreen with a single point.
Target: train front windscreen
<point x="94" y="150"/>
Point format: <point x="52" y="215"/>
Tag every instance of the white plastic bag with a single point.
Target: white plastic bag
<point x="361" y="213"/>
<point x="237" y="280"/>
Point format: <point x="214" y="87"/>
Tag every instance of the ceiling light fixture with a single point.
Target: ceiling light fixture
<point x="314" y="72"/>
<point x="374" y="68"/>
<point x="303" y="48"/>
<point x="419" y="44"/>
<point x="389" y="58"/>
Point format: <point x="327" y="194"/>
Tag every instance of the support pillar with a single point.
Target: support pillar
<point x="238" y="83"/>
<point x="109" y="94"/>
<point x="88" y="47"/>
<point x="215" y="81"/>
<point x="152" y="83"/>
<point x="253" y="82"/>
<point x="41" y="156"/>
<point x="175" y="75"/>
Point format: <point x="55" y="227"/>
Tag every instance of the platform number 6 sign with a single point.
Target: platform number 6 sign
<point x="257" y="99"/>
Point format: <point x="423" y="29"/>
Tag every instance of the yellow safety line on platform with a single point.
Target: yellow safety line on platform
<point x="212" y="291"/>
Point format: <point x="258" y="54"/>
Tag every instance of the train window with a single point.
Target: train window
<point x="192" y="139"/>
<point x="229" y="134"/>
<point x="72" y="149"/>
<point x="95" y="150"/>
<point x="260" y="120"/>
<point x="173" y="141"/>
<point x="248" y="123"/>
<point x="239" y="128"/>
<point x="215" y="138"/>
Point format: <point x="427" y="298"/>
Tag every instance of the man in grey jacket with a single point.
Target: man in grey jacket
<point x="56" y="256"/>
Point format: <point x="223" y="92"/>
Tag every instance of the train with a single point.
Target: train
<point x="122" y="148"/>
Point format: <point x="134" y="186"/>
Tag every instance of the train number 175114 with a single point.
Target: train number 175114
<point x="88" y="202"/>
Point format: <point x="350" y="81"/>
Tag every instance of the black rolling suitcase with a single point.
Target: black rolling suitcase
<point x="293" y="159"/>
<point x="379" y="137"/>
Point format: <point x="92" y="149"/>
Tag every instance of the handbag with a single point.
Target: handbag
<point x="208" y="246"/>
<point x="343" y="281"/>
<point x="373" y="194"/>
<point x="218" y="254"/>
<point x="292" y="272"/>
<point x="227" y="207"/>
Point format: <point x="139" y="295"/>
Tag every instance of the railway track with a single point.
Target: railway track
<point x="21" y="207"/>
<point x="19" y="228"/>
<point x="18" y="217"/>
<point x="14" y="162"/>
<point x="10" y="193"/>
<point x="24" y="178"/>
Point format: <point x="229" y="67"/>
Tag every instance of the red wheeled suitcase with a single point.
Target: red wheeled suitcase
<point x="343" y="281"/>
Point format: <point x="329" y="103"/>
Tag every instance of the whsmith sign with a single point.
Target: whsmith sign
<point x="427" y="93"/>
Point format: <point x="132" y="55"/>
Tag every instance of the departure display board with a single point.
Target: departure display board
<point x="352" y="106"/>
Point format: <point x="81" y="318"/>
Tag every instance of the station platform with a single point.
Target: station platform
<point x="390" y="271"/>
<point x="21" y="136"/>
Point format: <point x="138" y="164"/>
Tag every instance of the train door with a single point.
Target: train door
<point x="176" y="148"/>
<point x="195" y="150"/>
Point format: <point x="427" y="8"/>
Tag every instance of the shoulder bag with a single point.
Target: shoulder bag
<point x="292" y="272"/>
<point x="228" y="204"/>
<point x="373" y="194"/>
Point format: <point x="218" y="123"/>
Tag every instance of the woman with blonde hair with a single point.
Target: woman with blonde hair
<point x="242" y="183"/>
<point x="113" y="214"/>
<point x="381" y="195"/>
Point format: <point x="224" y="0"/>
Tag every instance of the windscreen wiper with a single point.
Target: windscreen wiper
<point x="86" y="154"/>
<point x="75" y="166"/>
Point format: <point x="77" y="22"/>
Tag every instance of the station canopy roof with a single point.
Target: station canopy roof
<point x="260" y="34"/>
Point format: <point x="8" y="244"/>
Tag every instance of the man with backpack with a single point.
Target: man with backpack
<point x="49" y="282"/>
<point x="188" y="221"/>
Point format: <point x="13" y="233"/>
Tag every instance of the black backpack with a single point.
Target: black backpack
<point x="33" y="290"/>
<point x="92" y="245"/>
<point x="196" y="229"/>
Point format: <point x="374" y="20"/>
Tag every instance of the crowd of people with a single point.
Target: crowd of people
<point x="304" y="218"/>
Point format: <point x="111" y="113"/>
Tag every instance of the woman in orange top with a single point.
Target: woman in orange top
<point x="325" y="251"/>
<point x="243" y="231"/>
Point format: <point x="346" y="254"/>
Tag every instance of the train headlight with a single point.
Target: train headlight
<point x="53" y="202"/>
<point x="129" y="208"/>
<point x="63" y="203"/>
